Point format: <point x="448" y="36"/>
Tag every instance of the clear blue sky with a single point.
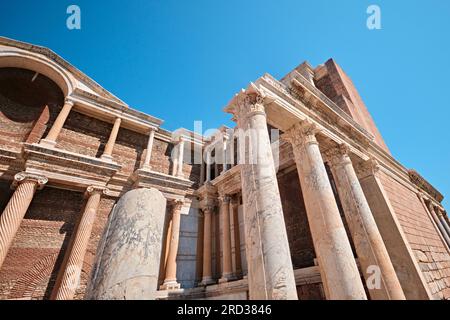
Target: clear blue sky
<point x="183" y="60"/>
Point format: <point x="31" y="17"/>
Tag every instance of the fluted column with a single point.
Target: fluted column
<point x="337" y="265"/>
<point x="227" y="270"/>
<point x="50" y="140"/>
<point x="439" y="223"/>
<point x="170" y="282"/>
<point x="107" y="154"/>
<point x="237" y="237"/>
<point x="26" y="185"/>
<point x="148" y="154"/>
<point x="207" y="244"/>
<point x="69" y="277"/>
<point x="270" y="270"/>
<point x="366" y="237"/>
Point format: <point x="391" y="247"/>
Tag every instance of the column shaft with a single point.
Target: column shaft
<point x="148" y="154"/>
<point x="270" y="270"/>
<point x="107" y="154"/>
<point x="16" y="209"/>
<point x="207" y="244"/>
<point x="180" y="159"/>
<point x="237" y="238"/>
<point x="208" y="166"/>
<point x="69" y="276"/>
<point x="170" y="282"/>
<point x="444" y="222"/>
<point x="227" y="270"/>
<point x="53" y="134"/>
<point x="337" y="265"/>
<point x="372" y="254"/>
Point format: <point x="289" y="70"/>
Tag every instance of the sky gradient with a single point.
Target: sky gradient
<point x="184" y="60"/>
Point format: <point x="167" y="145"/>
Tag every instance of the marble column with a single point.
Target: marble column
<point x="50" y="140"/>
<point x="438" y="223"/>
<point x="208" y="166"/>
<point x="270" y="270"/>
<point x="180" y="158"/>
<point x="338" y="269"/>
<point x="224" y="155"/>
<point x="237" y="237"/>
<point x="370" y="248"/>
<point x="129" y="252"/>
<point x="227" y="269"/>
<point x="148" y="154"/>
<point x="26" y="185"/>
<point x="69" y="277"/>
<point x="107" y="153"/>
<point x="207" y="246"/>
<point x="170" y="281"/>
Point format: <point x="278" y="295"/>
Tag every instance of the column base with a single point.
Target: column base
<point x="47" y="143"/>
<point x="170" y="285"/>
<point x="207" y="281"/>
<point x="226" y="278"/>
<point x="107" y="157"/>
<point x="146" y="167"/>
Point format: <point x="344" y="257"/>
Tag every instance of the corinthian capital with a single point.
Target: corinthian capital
<point x="367" y="168"/>
<point x="337" y="155"/>
<point x="301" y="133"/>
<point x="248" y="102"/>
<point x="23" y="177"/>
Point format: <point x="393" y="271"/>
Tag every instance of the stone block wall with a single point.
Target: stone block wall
<point x="430" y="251"/>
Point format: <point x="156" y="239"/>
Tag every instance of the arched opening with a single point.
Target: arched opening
<point x="29" y="103"/>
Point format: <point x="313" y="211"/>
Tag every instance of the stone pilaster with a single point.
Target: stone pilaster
<point x="69" y="276"/>
<point x="107" y="154"/>
<point x="270" y="270"/>
<point x="170" y="281"/>
<point x="50" y="140"/>
<point x="372" y="254"/>
<point x="26" y="185"/>
<point x="227" y="270"/>
<point x="337" y="265"/>
<point x="207" y="245"/>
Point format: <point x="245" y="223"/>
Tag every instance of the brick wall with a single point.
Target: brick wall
<point x="31" y="266"/>
<point x="27" y="108"/>
<point x="337" y="85"/>
<point x="297" y="226"/>
<point x="429" y="249"/>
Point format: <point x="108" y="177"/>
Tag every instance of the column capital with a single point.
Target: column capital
<point x="301" y="133"/>
<point x="177" y="205"/>
<point x="69" y="101"/>
<point x="338" y="155"/>
<point x="247" y="103"/>
<point x="22" y="177"/>
<point x="224" y="199"/>
<point x="96" y="189"/>
<point x="368" y="168"/>
<point x="208" y="209"/>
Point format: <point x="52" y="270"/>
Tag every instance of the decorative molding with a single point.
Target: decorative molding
<point x="423" y="184"/>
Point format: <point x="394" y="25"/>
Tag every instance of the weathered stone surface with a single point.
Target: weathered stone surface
<point x="128" y="258"/>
